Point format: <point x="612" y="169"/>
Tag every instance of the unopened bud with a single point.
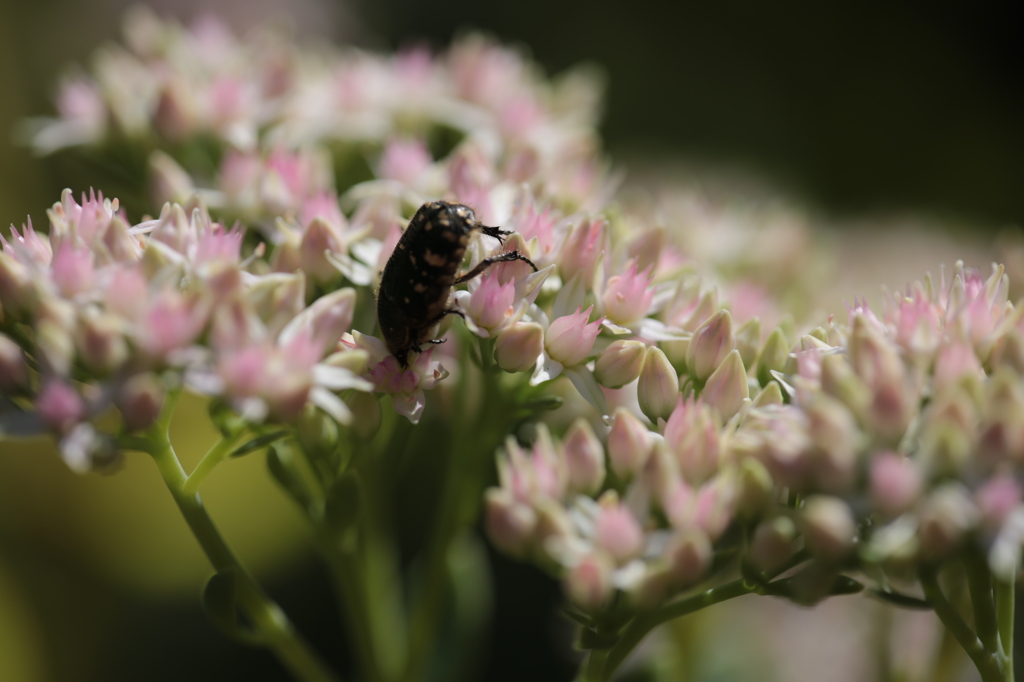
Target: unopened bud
<point x="13" y="370"/>
<point x="317" y="432"/>
<point x="755" y="488"/>
<point x="945" y="517"/>
<point x="773" y="356"/>
<point x="773" y="544"/>
<point x="689" y="555"/>
<point x="710" y="345"/>
<point x="618" y="532"/>
<point x="629" y="444"/>
<point x="836" y="439"/>
<point x="658" y="389"/>
<point x="1009" y="352"/>
<point x="140" y="400"/>
<point x="748" y="340"/>
<point x="997" y="498"/>
<point x="828" y="527"/>
<point x="366" y="414"/>
<point x="726" y="388"/>
<point x="896" y="483"/>
<point x="588" y="584"/>
<point x="318" y="239"/>
<point x="620" y="363"/>
<point x="839" y="381"/>
<point x="354" y="360"/>
<point x="509" y="524"/>
<point x="100" y="343"/>
<point x="584" y="458"/>
<point x="60" y="406"/>
<point x="517" y="348"/>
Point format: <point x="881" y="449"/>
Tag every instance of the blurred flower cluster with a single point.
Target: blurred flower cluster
<point x="719" y="429"/>
<point x="884" y="445"/>
<point x="100" y="313"/>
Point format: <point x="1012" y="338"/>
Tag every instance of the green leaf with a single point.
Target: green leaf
<point x="282" y="469"/>
<point x="258" y="443"/>
<point x="221" y="606"/>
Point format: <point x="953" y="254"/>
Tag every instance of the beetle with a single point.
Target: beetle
<point x="417" y="280"/>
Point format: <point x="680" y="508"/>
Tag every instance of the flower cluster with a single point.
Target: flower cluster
<point x="893" y="441"/>
<point x="100" y="313"/>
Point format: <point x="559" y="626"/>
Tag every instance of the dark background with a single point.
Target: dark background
<point x="851" y="106"/>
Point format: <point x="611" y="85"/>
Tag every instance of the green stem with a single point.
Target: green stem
<point x="986" y="662"/>
<point x="462" y="484"/>
<point x="266" y="617"/>
<point x="593" y="670"/>
<point x="979" y="582"/>
<point x="1004" y="591"/>
<point x="214" y="456"/>
<point x="640" y="626"/>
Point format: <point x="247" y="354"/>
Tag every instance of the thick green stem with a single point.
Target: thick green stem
<point x="1004" y="591"/>
<point x="640" y="626"/>
<point x="979" y="582"/>
<point x="987" y="662"/>
<point x="269" y="621"/>
<point x="214" y="456"/>
<point x="593" y="669"/>
<point x="463" y="481"/>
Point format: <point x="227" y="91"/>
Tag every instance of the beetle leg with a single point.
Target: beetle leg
<point x="495" y="232"/>
<point x="488" y="262"/>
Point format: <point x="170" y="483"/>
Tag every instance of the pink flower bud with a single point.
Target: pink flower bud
<point x="628" y="296"/>
<point x="620" y="363"/>
<point x="945" y="516"/>
<point x="140" y="400"/>
<point x="72" y="268"/>
<point x="60" y="406"/>
<point x="588" y="584"/>
<point x="570" y="339"/>
<point x="509" y="524"/>
<point x="584" y="458"/>
<point x="629" y="444"/>
<point x="13" y="370"/>
<point x="658" y="387"/>
<point x="586" y="242"/>
<point x="955" y="361"/>
<point x="517" y="348"/>
<point x="726" y="388"/>
<point x="693" y="435"/>
<point x="996" y="499"/>
<point x="618" y="532"/>
<point x="689" y="555"/>
<point x="896" y="483"/>
<point x="710" y="345"/>
<point x="828" y="527"/>
<point x="490" y="304"/>
<point x="100" y="343"/>
<point x="836" y="439"/>
<point x="318" y="239"/>
<point x="773" y="543"/>
<point x="404" y="160"/>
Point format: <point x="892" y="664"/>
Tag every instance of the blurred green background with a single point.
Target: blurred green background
<point x="852" y="108"/>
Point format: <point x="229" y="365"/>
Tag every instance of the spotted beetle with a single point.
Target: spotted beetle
<point x="417" y="281"/>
